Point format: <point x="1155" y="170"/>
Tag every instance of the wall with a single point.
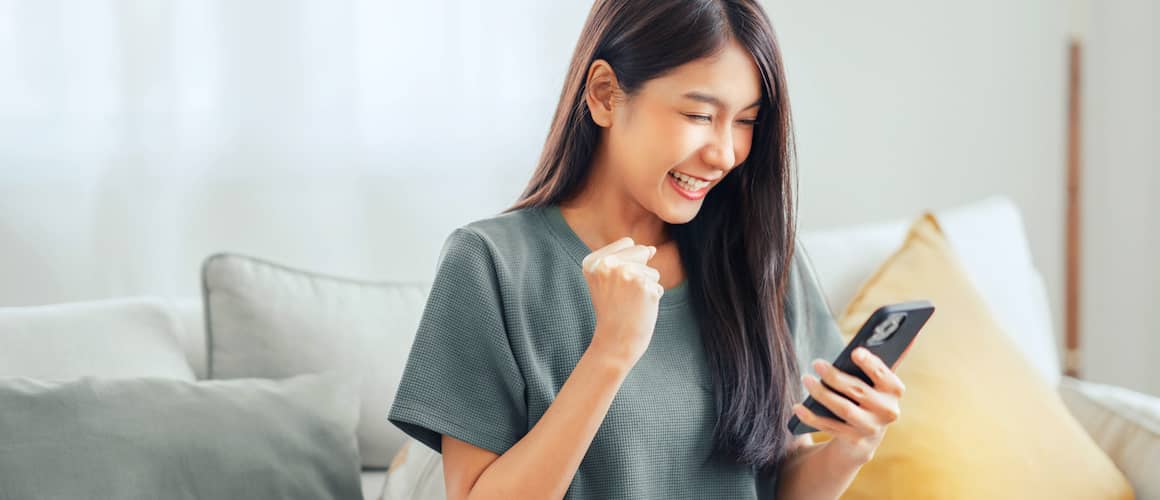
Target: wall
<point x="905" y="105"/>
<point x="1120" y="317"/>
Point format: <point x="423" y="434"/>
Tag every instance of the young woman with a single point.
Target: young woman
<point x="634" y="326"/>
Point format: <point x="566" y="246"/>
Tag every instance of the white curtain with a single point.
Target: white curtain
<point x="138" y="137"/>
<point x="278" y="83"/>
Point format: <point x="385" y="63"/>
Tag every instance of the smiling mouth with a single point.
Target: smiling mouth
<point x="691" y="191"/>
<point x="690" y="183"/>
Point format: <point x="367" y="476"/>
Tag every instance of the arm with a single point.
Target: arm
<point x="813" y="470"/>
<point x="543" y="463"/>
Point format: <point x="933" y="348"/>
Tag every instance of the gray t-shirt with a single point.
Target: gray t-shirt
<point x="507" y="319"/>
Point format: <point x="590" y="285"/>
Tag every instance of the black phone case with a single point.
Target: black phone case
<point x="891" y="351"/>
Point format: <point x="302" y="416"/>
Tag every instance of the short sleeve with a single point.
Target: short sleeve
<point x="812" y="324"/>
<point x="461" y="378"/>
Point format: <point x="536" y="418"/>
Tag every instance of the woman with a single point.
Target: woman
<point x="634" y="325"/>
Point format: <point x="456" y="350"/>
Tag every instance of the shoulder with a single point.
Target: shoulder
<point x="801" y="257"/>
<point x="515" y="225"/>
<point x="805" y="296"/>
<point x="800" y="270"/>
<point x="501" y="237"/>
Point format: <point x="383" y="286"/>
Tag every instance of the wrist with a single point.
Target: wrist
<point x="607" y="360"/>
<point x="614" y="355"/>
<point x="847" y="455"/>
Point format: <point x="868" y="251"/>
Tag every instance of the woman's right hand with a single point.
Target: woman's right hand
<point x="626" y="294"/>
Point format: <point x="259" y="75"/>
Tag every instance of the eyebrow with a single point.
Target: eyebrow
<point x="709" y="99"/>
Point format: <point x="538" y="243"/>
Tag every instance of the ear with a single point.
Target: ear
<point x="600" y="92"/>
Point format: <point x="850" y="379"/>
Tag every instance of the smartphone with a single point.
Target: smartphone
<point x="888" y="333"/>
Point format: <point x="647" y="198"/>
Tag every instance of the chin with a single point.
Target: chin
<point x="680" y="213"/>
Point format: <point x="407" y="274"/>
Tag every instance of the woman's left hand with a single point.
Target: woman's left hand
<point x="872" y="409"/>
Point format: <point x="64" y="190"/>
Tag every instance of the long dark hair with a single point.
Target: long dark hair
<point x="737" y="251"/>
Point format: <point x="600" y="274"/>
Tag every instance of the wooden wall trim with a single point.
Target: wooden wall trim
<point x="1072" y="272"/>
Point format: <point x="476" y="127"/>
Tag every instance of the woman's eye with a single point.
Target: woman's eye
<point x="708" y="119"/>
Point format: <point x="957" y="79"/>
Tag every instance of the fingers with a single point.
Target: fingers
<point x="623" y="249"/>
<point x="843" y="382"/>
<point x="611" y="264"/>
<point x="646" y="275"/>
<point x="627" y="258"/>
<point x="635" y="253"/>
<point x="651" y="273"/>
<point x="613" y="247"/>
<point x="885" y="380"/>
<point x="855" y="417"/>
<point x="868" y="398"/>
<point x="821" y="423"/>
<point x="657" y="289"/>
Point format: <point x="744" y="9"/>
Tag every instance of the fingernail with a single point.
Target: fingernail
<point x="860" y="353"/>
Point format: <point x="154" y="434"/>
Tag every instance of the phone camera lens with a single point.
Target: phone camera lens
<point x="884" y="330"/>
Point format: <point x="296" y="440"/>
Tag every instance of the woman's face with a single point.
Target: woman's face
<point x="696" y="120"/>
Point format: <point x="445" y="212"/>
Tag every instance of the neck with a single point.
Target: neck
<point x="603" y="211"/>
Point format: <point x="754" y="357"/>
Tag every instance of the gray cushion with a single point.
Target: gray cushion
<point x="268" y="320"/>
<point x="151" y="437"/>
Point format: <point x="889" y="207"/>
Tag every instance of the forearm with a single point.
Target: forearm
<point x="816" y="471"/>
<point x="543" y="463"/>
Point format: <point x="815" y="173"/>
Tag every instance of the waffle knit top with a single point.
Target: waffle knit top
<point x="508" y="317"/>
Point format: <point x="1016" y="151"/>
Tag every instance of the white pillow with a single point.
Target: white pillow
<point x="989" y="239"/>
<point x="114" y="338"/>
<point x="191" y="333"/>
<point x="271" y="321"/>
<point x="416" y="473"/>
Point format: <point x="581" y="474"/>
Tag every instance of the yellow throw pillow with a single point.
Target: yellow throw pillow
<point x="977" y="422"/>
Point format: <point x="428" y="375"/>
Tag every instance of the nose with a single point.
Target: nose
<point x="719" y="154"/>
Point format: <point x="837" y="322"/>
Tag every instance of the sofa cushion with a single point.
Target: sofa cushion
<point x="191" y="333"/>
<point x="372" y="483"/>
<point x="977" y="421"/>
<point x="268" y="320"/>
<point x="117" y="338"/>
<point x="148" y="438"/>
<point x="989" y="240"/>
<point x="416" y="472"/>
<point x="1126" y="425"/>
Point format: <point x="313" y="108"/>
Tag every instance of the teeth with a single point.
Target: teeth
<point x="688" y="182"/>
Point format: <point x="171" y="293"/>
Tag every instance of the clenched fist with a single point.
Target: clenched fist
<point x="626" y="294"/>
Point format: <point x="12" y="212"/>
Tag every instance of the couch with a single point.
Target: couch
<point x="154" y="256"/>
<point x="988" y="237"/>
